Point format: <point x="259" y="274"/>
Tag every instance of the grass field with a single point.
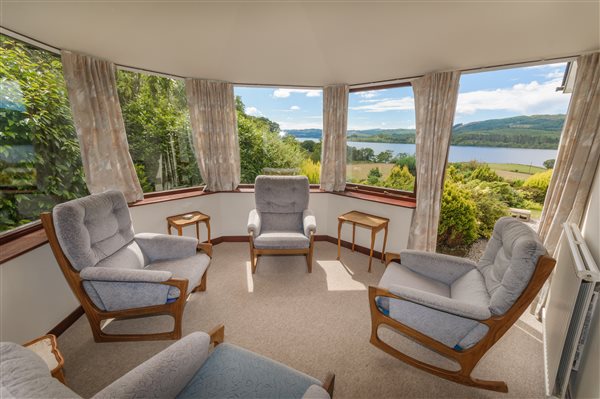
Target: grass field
<point x="516" y="167"/>
<point x="360" y="171"/>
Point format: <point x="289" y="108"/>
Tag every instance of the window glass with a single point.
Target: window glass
<point x="381" y="138"/>
<point x="504" y="144"/>
<point x="279" y="131"/>
<point x="40" y="161"/>
<point x="158" y="131"/>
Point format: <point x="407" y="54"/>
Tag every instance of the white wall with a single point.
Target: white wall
<point x="34" y="295"/>
<point x="588" y="383"/>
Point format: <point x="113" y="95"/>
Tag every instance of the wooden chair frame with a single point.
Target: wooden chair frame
<point x="467" y="358"/>
<point x="256" y="252"/>
<point x="217" y="336"/>
<point x="96" y="315"/>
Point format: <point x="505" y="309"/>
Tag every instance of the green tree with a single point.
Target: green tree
<point x="484" y="173"/>
<point x="458" y="217"/>
<point x="384" y="156"/>
<point x="536" y="185"/>
<point x="400" y="178"/>
<point x="373" y="177"/>
<point x="549" y="163"/>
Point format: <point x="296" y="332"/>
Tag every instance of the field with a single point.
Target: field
<point x="360" y="171"/>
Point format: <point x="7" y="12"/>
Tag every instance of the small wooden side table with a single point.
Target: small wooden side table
<point x="372" y="222"/>
<point x="179" y="222"/>
<point x="46" y="347"/>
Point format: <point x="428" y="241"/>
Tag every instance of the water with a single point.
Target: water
<point x="524" y="156"/>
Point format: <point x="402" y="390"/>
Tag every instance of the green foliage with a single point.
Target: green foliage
<point x="408" y="160"/>
<point x="313" y="149"/>
<point x="536" y="186"/>
<point x="354" y="154"/>
<point x="549" y="163"/>
<point x="484" y="173"/>
<point x="400" y="178"/>
<point x="373" y="177"/>
<point x="458" y="217"/>
<point x="489" y="208"/>
<point x="312" y="170"/>
<point x="384" y="157"/>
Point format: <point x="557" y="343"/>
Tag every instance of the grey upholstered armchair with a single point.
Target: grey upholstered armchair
<point x="116" y="273"/>
<point x="457" y="307"/>
<point x="281" y="222"/>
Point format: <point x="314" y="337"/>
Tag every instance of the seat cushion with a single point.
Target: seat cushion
<point x="281" y="240"/>
<point x="233" y="372"/>
<point x="192" y="269"/>
<point x="281" y="194"/>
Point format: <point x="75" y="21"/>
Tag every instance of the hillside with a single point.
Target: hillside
<point x="536" y="131"/>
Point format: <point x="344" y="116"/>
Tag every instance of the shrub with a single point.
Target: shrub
<point x="537" y="185"/>
<point x="549" y="163"/>
<point x="458" y="217"/>
<point x="484" y="173"/>
<point x="400" y="178"/>
<point x="312" y="170"/>
<point x="489" y="209"/>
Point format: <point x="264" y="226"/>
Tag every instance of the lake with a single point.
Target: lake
<point x="524" y="156"/>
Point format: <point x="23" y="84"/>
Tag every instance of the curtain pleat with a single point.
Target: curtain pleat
<point x="214" y="132"/>
<point x="92" y="89"/>
<point x="333" y="153"/>
<point x="435" y="103"/>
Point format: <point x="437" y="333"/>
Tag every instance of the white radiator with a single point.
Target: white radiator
<point x="573" y="296"/>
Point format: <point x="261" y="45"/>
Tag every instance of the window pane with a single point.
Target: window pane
<point x="40" y="162"/>
<point x="381" y="138"/>
<point x="504" y="144"/>
<point x="279" y="131"/>
<point x="158" y="131"/>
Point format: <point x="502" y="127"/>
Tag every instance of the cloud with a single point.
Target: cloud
<point x="284" y="93"/>
<point x="294" y="108"/>
<point x="386" y="104"/>
<point x="369" y="94"/>
<point x="253" y="111"/>
<point x="523" y="98"/>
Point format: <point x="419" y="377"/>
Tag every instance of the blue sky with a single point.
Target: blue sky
<point x="482" y="95"/>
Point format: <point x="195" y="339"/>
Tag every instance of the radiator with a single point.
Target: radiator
<point x="568" y="314"/>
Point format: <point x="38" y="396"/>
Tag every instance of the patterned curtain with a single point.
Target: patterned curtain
<point x="333" y="154"/>
<point x="435" y="104"/>
<point x="214" y="132"/>
<point x="92" y="88"/>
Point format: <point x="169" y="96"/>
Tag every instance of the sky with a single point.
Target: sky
<point x="482" y="95"/>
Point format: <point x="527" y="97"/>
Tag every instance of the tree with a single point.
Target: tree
<point x="549" y="163"/>
<point x="458" y="217"/>
<point x="484" y="173"/>
<point x="384" y="156"/>
<point x="400" y="178"/>
<point x="373" y="177"/>
<point x="408" y="160"/>
<point x="536" y="185"/>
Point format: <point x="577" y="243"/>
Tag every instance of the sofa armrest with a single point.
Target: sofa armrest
<point x="316" y="392"/>
<point x="124" y="275"/>
<point x="460" y="308"/>
<point x="163" y="247"/>
<point x="165" y="374"/>
<point x="440" y="267"/>
<point x="309" y="222"/>
<point x="254" y="223"/>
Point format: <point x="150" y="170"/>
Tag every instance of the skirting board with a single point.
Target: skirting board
<point x="77" y="313"/>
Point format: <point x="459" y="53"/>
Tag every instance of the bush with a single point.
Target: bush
<point x="537" y="185"/>
<point x="484" y="173"/>
<point x="400" y="178"/>
<point x="489" y="209"/>
<point x="312" y="170"/>
<point x="549" y="163"/>
<point x="458" y="217"/>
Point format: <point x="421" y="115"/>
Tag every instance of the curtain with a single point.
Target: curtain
<point x="576" y="164"/>
<point x="92" y="89"/>
<point x="214" y="132"/>
<point x="333" y="153"/>
<point x="435" y="103"/>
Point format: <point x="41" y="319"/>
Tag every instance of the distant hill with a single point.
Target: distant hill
<point x="536" y="131"/>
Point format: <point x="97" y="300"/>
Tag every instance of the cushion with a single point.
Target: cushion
<point x="130" y="256"/>
<point x="281" y="194"/>
<point x="281" y="240"/>
<point x="192" y="269"/>
<point x="233" y="372"/>
<point x="282" y="222"/>
<point x="91" y="228"/>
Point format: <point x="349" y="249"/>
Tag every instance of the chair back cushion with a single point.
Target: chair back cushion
<point x="281" y="194"/>
<point x="92" y="228"/>
<point x="509" y="261"/>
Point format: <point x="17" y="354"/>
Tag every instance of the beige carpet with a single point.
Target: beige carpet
<point x="315" y="323"/>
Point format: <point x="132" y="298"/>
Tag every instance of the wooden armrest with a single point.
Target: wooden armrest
<point x="391" y="256"/>
<point x="217" y="334"/>
<point x="206" y="247"/>
<point x="329" y="383"/>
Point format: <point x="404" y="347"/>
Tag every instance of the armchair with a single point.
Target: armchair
<point x="115" y="273"/>
<point x="457" y="307"/>
<point x="281" y="224"/>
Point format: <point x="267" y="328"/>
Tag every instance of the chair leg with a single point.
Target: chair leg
<point x="202" y="286"/>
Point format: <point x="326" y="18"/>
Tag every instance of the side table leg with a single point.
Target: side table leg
<point x="208" y="229"/>
<point x="373" y="232"/>
<point x="384" y="242"/>
<point x="339" y="238"/>
<point x="353" y="235"/>
<point x="179" y="231"/>
<point x="198" y="231"/>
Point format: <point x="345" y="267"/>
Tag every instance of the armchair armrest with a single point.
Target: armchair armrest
<point x="309" y="222"/>
<point x="165" y="374"/>
<point x="438" y="302"/>
<point x="444" y="268"/>
<point x="254" y="223"/>
<point x="124" y="275"/>
<point x="163" y="246"/>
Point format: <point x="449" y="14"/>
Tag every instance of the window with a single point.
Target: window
<point x="381" y="137"/>
<point x="158" y="131"/>
<point x="40" y="162"/>
<point x="279" y="131"/>
<point x="504" y="144"/>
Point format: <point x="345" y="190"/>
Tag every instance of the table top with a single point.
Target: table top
<point x="179" y="220"/>
<point x="46" y="348"/>
<point x="363" y="219"/>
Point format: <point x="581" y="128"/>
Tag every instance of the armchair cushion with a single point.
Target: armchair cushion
<point x="118" y="274"/>
<point x="115" y="295"/>
<point x="233" y="372"/>
<point x="254" y="223"/>
<point x="191" y="269"/>
<point x="309" y="222"/>
<point x="158" y="247"/>
<point x="281" y="240"/>
<point x="165" y="374"/>
<point x="443" y="268"/>
<point x="291" y="222"/>
<point x="281" y="194"/>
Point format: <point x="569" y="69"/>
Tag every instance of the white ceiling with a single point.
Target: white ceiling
<point x="309" y="42"/>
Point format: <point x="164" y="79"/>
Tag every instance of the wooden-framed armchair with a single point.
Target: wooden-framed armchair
<point x="281" y="224"/>
<point x="456" y="307"/>
<point x="117" y="274"/>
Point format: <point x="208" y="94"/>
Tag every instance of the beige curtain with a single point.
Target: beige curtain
<point x="214" y="132"/>
<point x="435" y="103"/>
<point x="92" y="88"/>
<point x="576" y="164"/>
<point x="333" y="153"/>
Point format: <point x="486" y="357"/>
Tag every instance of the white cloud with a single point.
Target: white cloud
<point x="369" y="94"/>
<point x="295" y="108"/>
<point x="253" y="111"/>
<point x="523" y="98"/>
<point x="284" y="93"/>
<point x="387" y="104"/>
